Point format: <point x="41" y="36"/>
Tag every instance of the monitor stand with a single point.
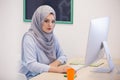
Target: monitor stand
<point x="109" y="60"/>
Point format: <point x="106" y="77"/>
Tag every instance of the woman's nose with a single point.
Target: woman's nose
<point x="50" y="24"/>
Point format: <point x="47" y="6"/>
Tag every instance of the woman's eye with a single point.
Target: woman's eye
<point x="49" y="21"/>
<point x="53" y="21"/>
<point x="46" y="21"/>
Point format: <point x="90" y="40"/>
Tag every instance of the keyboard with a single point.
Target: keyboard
<point x="77" y="67"/>
<point x="102" y="70"/>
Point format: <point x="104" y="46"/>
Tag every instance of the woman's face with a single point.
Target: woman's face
<point x="48" y="23"/>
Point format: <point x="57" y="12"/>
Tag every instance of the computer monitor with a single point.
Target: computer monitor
<point x="97" y="41"/>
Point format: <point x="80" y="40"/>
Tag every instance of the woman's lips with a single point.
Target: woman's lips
<point x="49" y="28"/>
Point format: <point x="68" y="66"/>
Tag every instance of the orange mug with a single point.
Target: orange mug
<point x="70" y="74"/>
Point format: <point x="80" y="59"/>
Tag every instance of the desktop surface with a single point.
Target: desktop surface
<point x="82" y="74"/>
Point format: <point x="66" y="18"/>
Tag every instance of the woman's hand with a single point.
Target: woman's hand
<point x="59" y="69"/>
<point x="63" y="68"/>
<point x="56" y="63"/>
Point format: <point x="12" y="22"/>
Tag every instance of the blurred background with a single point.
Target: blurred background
<point x="72" y="37"/>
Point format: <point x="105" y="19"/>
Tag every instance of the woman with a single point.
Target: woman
<point x="41" y="51"/>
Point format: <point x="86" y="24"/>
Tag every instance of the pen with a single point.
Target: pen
<point x="66" y="75"/>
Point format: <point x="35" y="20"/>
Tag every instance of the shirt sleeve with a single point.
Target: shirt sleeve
<point x="30" y="58"/>
<point x="60" y="54"/>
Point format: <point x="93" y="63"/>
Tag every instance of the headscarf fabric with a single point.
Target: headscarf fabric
<point x="45" y="41"/>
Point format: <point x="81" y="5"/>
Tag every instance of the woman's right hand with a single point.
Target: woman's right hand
<point x="59" y="69"/>
<point x="63" y="68"/>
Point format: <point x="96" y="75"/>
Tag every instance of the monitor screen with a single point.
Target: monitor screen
<point x="98" y="33"/>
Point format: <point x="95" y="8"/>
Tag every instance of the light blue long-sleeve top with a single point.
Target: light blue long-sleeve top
<point x="34" y="60"/>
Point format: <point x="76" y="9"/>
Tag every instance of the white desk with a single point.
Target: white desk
<point x="83" y="74"/>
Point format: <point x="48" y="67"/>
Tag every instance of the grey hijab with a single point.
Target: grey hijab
<point x="45" y="41"/>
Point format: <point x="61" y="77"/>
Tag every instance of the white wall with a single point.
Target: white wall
<point x="72" y="37"/>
